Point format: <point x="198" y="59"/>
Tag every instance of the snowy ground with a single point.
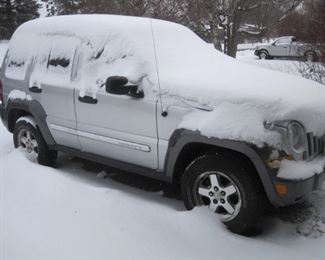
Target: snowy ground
<point x="288" y="66"/>
<point x="70" y="213"/>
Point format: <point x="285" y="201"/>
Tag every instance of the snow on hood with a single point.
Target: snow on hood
<point x="243" y="96"/>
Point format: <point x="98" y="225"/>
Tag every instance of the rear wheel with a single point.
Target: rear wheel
<point x="28" y="138"/>
<point x="215" y="181"/>
<point x="310" y="56"/>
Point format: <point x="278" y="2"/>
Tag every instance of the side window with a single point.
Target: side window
<point x="60" y="62"/>
<point x="280" y="42"/>
<point x="117" y="53"/>
<point x="55" y="62"/>
<point x="52" y="61"/>
<point x="16" y="67"/>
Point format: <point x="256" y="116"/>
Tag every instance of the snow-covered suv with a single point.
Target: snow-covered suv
<point x="152" y="98"/>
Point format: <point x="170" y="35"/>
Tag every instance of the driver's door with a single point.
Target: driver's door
<point x="281" y="48"/>
<point x="119" y="127"/>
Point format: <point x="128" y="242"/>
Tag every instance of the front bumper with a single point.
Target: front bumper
<point x="293" y="190"/>
<point x="298" y="190"/>
<point x="257" y="53"/>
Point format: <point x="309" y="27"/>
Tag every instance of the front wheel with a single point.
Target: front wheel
<point x="29" y="139"/>
<point x="217" y="182"/>
<point x="264" y="55"/>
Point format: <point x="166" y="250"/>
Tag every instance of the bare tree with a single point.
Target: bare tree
<point x="314" y="34"/>
<point x="216" y="21"/>
<point x="226" y="21"/>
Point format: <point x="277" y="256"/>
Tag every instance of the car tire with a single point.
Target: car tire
<point x="310" y="56"/>
<point x="218" y="182"/>
<point x="264" y="55"/>
<point x="27" y="137"/>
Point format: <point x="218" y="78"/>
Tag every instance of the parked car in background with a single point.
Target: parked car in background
<point x="287" y="47"/>
<point x="150" y="97"/>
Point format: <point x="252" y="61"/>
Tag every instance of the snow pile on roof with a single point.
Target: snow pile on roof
<point x="109" y="46"/>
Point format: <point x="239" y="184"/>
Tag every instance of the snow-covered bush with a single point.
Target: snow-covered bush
<point x="313" y="70"/>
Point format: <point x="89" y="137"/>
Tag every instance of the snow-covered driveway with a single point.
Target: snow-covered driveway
<point x="70" y="213"/>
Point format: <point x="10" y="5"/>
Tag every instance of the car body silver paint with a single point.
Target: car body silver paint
<point x="136" y="131"/>
<point x="167" y="125"/>
<point x="131" y="121"/>
<point x="287" y="47"/>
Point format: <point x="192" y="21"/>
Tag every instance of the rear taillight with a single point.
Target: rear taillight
<point x="1" y="92"/>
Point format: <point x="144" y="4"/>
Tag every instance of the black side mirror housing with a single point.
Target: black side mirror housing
<point x="116" y="85"/>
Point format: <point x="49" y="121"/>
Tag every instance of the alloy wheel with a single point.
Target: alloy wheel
<point x="219" y="192"/>
<point x="27" y="142"/>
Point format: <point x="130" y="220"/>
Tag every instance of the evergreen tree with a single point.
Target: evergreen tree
<point x="25" y="10"/>
<point x="15" y="12"/>
<point x="7" y="19"/>
<point x="63" y="7"/>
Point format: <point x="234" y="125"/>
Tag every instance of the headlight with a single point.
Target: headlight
<point x="294" y="137"/>
<point x="297" y="137"/>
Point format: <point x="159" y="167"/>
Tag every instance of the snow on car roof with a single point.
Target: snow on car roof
<point x="81" y="24"/>
<point x="188" y="68"/>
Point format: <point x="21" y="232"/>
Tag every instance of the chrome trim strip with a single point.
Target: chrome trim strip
<point x="118" y="142"/>
<point x="114" y="141"/>
<point x="63" y="129"/>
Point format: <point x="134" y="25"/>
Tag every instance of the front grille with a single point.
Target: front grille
<point x="316" y="146"/>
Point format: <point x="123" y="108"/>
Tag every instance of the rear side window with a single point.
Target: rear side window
<point x="16" y="67"/>
<point x="52" y="64"/>
<point x="60" y="61"/>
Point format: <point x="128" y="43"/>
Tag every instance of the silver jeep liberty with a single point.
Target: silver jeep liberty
<point x="76" y="84"/>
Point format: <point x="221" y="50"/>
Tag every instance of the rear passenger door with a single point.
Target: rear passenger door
<point x="51" y="80"/>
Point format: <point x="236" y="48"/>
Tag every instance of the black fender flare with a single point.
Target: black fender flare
<point x="183" y="137"/>
<point x="264" y="50"/>
<point x="35" y="109"/>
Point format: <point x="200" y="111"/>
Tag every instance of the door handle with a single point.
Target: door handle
<point x="88" y="100"/>
<point x="35" y="89"/>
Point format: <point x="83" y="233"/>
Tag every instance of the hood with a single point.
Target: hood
<point x="262" y="46"/>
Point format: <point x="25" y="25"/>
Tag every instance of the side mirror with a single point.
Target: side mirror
<point x="117" y="86"/>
